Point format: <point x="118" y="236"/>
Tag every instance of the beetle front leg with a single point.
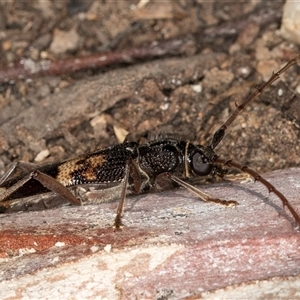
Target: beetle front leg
<point x="203" y="196"/>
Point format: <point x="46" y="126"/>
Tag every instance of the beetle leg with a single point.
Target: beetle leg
<point x="46" y="180"/>
<point x="25" y="166"/>
<point x="130" y="171"/>
<point x="120" y="210"/>
<point x="203" y="196"/>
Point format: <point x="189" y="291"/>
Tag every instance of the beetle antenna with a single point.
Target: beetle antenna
<point x="219" y="134"/>
<point x="267" y="184"/>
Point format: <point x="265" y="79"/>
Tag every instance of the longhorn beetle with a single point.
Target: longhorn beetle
<point x="131" y="167"/>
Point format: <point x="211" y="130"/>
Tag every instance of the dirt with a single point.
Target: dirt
<point x="49" y="118"/>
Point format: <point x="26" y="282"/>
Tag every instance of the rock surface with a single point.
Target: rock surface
<point x="290" y="26"/>
<point x="172" y="247"/>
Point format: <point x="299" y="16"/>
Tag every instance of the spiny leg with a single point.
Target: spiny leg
<point x="219" y="134"/>
<point x="266" y="183"/>
<point x="47" y="181"/>
<point x="205" y="197"/>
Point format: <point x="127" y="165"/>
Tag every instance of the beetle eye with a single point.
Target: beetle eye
<point x="200" y="166"/>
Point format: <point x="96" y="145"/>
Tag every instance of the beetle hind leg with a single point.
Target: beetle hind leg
<point x="24" y="166"/>
<point x="47" y="181"/>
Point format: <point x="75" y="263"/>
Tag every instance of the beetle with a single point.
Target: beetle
<point x="132" y="168"/>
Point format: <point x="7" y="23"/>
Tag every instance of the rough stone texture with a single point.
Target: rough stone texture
<point x="290" y="27"/>
<point x="173" y="246"/>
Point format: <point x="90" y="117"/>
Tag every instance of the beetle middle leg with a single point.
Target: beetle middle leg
<point x="131" y="171"/>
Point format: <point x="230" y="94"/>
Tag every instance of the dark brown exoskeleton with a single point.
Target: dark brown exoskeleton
<point x="131" y="167"/>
